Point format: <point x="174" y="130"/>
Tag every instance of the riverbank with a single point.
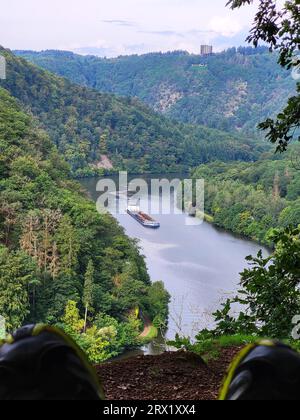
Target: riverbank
<point x="210" y="219"/>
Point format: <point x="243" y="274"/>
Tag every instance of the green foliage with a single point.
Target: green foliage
<point x="93" y="341"/>
<point x="55" y="247"/>
<point x="84" y="123"/>
<point x="266" y="305"/>
<point x="209" y="346"/>
<point x="71" y="319"/>
<point x="103" y="340"/>
<point x="235" y="89"/>
<point x="278" y="27"/>
<point x="17" y="276"/>
<point x="158" y="303"/>
<point x="88" y="285"/>
<point x="252" y="199"/>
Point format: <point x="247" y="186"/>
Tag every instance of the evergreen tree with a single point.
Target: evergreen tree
<point x="17" y="273"/>
<point x="88" y="290"/>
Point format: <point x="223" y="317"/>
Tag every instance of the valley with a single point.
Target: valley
<point x="184" y="258"/>
<point x="149" y="203"/>
<point x="114" y="269"/>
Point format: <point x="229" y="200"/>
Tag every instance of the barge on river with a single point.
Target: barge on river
<point x="143" y="218"/>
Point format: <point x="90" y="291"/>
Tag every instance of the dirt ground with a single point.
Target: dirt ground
<point x="170" y="376"/>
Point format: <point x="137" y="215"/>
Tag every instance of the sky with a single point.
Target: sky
<point x="122" y="27"/>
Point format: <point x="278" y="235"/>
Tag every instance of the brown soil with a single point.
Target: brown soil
<point x="170" y="376"/>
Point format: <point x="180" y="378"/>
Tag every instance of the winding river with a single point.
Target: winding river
<point x="198" y="263"/>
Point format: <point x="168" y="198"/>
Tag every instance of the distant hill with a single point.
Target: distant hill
<point x="233" y="90"/>
<point x="87" y="126"/>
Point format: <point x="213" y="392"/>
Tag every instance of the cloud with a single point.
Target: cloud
<point x="225" y="26"/>
<point x="162" y="33"/>
<point x="197" y="32"/>
<point x="100" y="52"/>
<point x="120" y="22"/>
<point x="121" y="26"/>
<point x="102" y="48"/>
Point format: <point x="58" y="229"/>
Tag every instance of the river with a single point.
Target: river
<point x="198" y="263"/>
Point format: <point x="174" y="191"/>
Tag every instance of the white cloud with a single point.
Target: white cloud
<point x="120" y="26"/>
<point x="225" y="25"/>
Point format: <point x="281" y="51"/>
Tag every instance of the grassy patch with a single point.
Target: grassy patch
<point x="211" y="348"/>
<point x="295" y="344"/>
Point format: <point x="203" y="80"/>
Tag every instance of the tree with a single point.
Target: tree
<point x="17" y="273"/>
<point x="9" y="211"/>
<point x="280" y="29"/>
<point x="103" y="142"/>
<point x="95" y="342"/>
<point x="37" y="241"/>
<point x="88" y="289"/>
<point x="68" y="246"/>
<point x="159" y="300"/>
<point x="290" y="216"/>
<point x="71" y="318"/>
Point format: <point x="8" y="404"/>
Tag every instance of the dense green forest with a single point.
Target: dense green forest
<point x="59" y="258"/>
<point x="253" y="199"/>
<point x="236" y="89"/>
<point x="85" y="124"/>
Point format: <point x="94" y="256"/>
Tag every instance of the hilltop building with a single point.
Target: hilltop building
<point x="206" y="50"/>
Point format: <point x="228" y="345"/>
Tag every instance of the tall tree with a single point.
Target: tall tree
<point x="88" y="289"/>
<point x="68" y="246"/>
<point x="280" y="29"/>
<point x="17" y="272"/>
<point x="103" y="142"/>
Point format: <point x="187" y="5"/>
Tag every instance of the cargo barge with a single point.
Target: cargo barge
<point x="143" y="218"/>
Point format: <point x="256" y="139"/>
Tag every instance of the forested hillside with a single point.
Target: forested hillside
<point x="58" y="256"/>
<point x="85" y="124"/>
<point x="233" y="90"/>
<point x="253" y="199"/>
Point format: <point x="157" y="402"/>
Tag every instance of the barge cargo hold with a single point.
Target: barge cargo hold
<point x="143" y="218"/>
